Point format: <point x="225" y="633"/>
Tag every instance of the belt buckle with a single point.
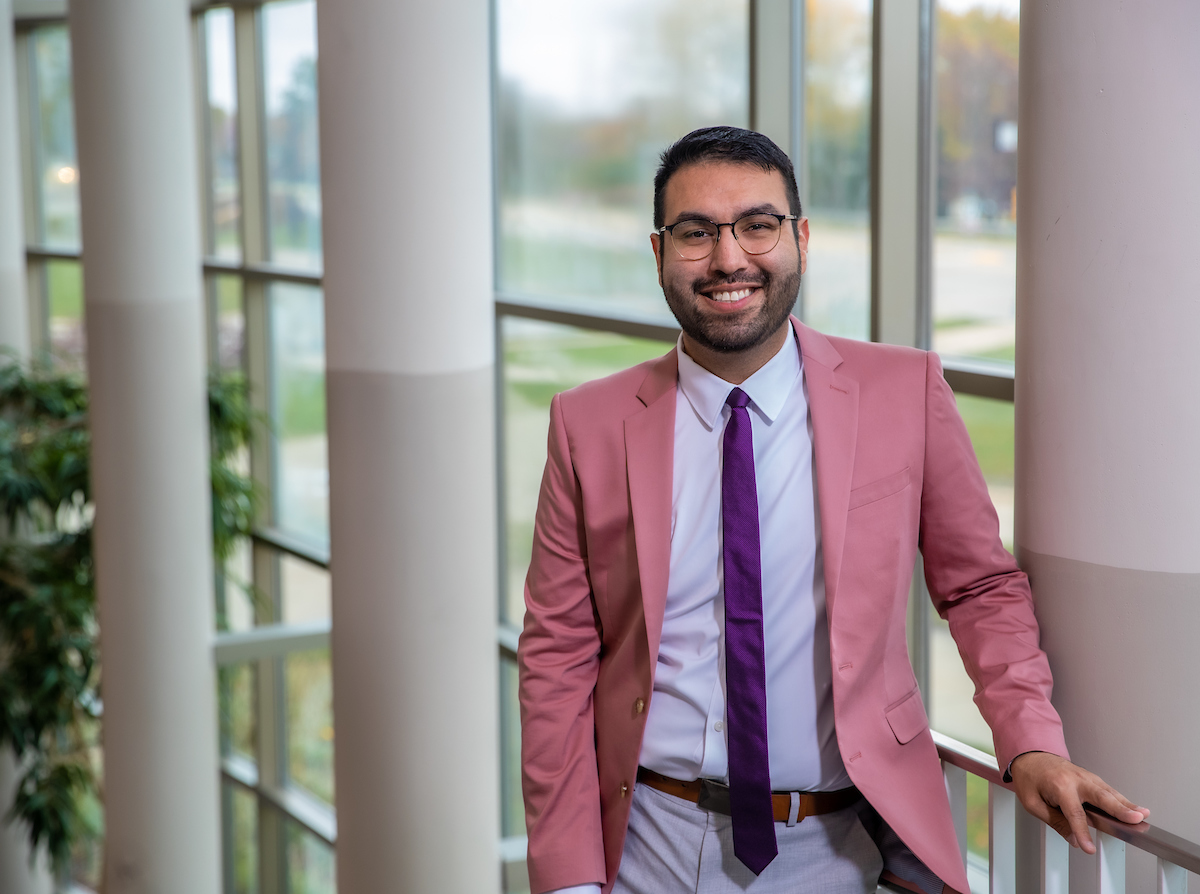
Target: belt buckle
<point x="714" y="797"/>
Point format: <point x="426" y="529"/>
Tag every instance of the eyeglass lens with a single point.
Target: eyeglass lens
<point x="695" y="239"/>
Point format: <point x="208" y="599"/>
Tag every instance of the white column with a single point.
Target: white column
<point x="134" y="121"/>
<point x="14" y="308"/>
<point x="406" y="180"/>
<point x="1107" y="400"/>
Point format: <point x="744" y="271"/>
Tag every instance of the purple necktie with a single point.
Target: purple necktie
<point x="745" y="665"/>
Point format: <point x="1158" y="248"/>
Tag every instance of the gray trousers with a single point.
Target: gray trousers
<point x="675" y="847"/>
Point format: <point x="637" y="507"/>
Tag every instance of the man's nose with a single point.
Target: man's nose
<point x="727" y="253"/>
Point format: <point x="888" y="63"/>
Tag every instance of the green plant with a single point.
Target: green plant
<point x="49" y="662"/>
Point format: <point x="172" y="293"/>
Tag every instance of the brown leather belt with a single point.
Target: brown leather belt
<point x="714" y="796"/>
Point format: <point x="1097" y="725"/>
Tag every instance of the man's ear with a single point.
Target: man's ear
<point x="802" y="242"/>
<point x="656" y="245"/>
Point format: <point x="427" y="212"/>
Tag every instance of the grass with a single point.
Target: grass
<point x="229" y="294"/>
<point x="301" y="403"/>
<point x="64" y="282"/>
<point x="990" y="425"/>
<point x="538" y="267"/>
<point x="977" y="815"/>
<point x="310" y="722"/>
<point x="1008" y="353"/>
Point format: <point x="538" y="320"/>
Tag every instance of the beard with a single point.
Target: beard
<point x="728" y="333"/>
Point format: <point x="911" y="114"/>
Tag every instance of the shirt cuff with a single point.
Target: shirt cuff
<point x="577" y="889"/>
<point x="1007" y="777"/>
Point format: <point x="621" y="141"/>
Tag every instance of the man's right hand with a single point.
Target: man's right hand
<point x="1054" y="790"/>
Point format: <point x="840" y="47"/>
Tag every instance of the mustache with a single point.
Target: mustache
<point x="739" y="276"/>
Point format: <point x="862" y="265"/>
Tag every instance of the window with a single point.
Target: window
<point x="262" y="223"/>
<point x="836" y="172"/>
<point x="975" y="246"/>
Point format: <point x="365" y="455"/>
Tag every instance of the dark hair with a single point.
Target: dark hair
<point x="729" y="144"/>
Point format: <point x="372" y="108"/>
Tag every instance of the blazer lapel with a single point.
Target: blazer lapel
<point x="649" y="453"/>
<point x="833" y="402"/>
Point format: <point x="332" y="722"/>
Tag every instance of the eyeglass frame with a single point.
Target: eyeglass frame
<point x="732" y="229"/>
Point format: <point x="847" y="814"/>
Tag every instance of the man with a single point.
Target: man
<point x="716" y="692"/>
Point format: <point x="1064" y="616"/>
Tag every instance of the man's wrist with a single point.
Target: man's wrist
<point x="1008" y="770"/>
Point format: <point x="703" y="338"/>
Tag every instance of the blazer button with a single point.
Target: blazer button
<point x="624" y="789"/>
<point x="639" y="705"/>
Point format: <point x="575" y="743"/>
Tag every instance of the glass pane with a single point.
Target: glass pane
<point x="311" y="866"/>
<point x="236" y="594"/>
<point x="974" y="247"/>
<point x="978" y="849"/>
<point x="225" y="292"/>
<point x="242" y="839"/>
<point x="990" y="423"/>
<point x="64" y="297"/>
<point x="293" y="164"/>
<point x="952" y="710"/>
<point x="310" y="722"/>
<point x="837" y="188"/>
<point x="58" y="182"/>
<point x="512" y="807"/>
<point x="225" y="238"/>
<point x="301" y="492"/>
<point x="540" y="360"/>
<point x="235" y="696"/>
<point x="582" y="119"/>
<point x="305" y="590"/>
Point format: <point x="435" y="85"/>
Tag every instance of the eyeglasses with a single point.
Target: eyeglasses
<point x="757" y="234"/>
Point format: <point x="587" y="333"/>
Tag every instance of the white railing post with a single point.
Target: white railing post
<point x="1002" y="839"/>
<point x="956" y="790"/>
<point x="1111" y="854"/>
<point x="1042" y="857"/>
<point x="1056" y="859"/>
<point x="1172" y="879"/>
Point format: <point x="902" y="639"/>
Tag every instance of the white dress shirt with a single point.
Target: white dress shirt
<point x="685" y="724"/>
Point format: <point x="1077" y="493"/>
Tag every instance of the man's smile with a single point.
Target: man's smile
<point x="732" y="296"/>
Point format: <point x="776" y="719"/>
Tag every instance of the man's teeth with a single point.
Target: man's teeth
<point x="731" y="296"/>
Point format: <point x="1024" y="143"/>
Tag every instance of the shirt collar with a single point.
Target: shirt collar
<point x="768" y="389"/>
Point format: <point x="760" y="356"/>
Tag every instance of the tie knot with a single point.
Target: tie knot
<point x="737" y="399"/>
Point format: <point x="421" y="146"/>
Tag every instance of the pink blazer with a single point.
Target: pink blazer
<point x="895" y="473"/>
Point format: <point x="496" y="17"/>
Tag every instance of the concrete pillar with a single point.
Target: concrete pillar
<point x="14" y="307"/>
<point x="134" y="113"/>
<point x="406" y="180"/>
<point x="1107" y="394"/>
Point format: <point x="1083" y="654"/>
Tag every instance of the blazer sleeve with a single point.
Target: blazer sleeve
<point x="558" y="660"/>
<point x="978" y="588"/>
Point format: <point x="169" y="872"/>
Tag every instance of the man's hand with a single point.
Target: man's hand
<point x="1054" y="790"/>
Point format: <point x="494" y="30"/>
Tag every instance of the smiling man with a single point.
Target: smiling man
<point x="716" y="694"/>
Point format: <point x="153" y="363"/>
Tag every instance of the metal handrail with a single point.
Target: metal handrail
<point x="293" y="546"/>
<point x="1143" y="836"/>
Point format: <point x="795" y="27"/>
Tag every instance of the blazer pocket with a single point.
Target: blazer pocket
<point x="907" y="717"/>
<point x="879" y="488"/>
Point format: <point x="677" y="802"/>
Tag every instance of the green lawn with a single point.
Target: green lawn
<point x="64" y="283"/>
<point x="990" y="424"/>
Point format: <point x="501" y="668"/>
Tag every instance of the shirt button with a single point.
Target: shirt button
<point x="624" y="789"/>
<point x="718" y="726"/>
<point x="639" y="706"/>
